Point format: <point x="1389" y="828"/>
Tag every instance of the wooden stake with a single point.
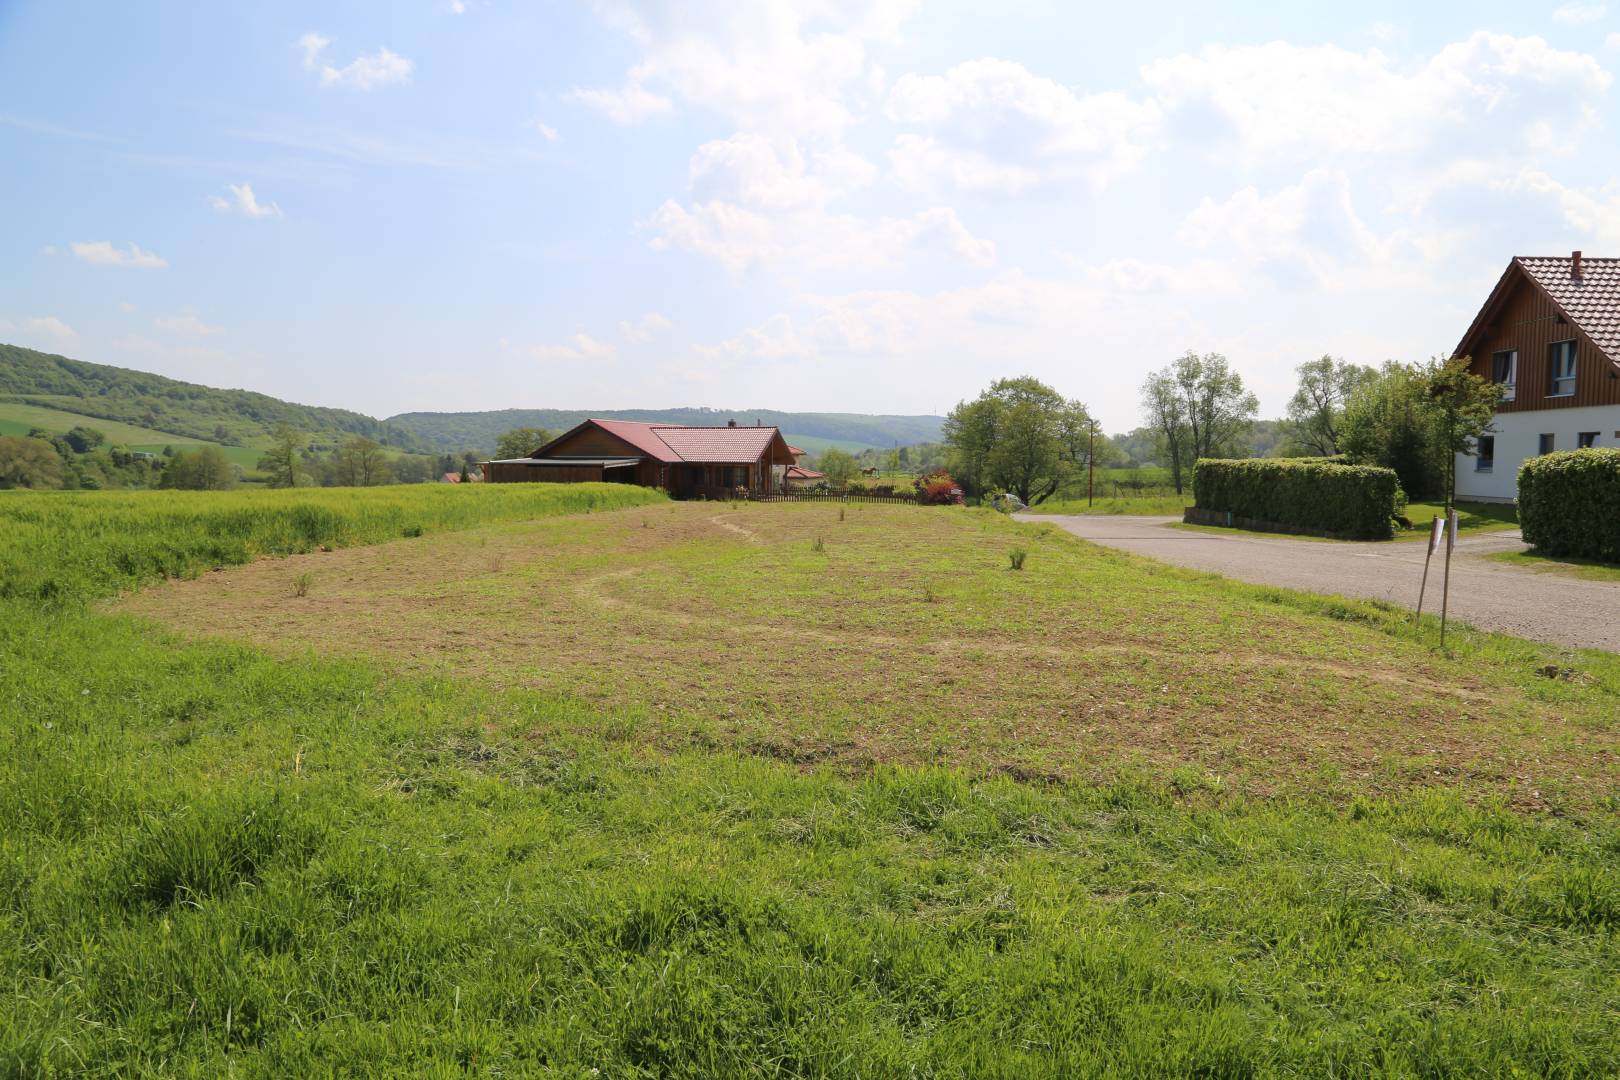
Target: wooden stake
<point x="1437" y="528"/>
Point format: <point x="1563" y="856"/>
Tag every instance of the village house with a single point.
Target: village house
<point x="1549" y="335"/>
<point x="688" y="462"/>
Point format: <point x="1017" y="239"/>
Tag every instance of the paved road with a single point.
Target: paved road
<point x="1537" y="604"/>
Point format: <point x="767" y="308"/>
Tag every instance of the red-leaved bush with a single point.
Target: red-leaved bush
<point x="938" y="489"/>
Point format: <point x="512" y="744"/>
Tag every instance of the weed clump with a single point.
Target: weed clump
<point x="302" y="582"/>
<point x="819" y="545"/>
<point x="1016" y="558"/>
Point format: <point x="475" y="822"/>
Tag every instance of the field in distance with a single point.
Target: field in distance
<point x="692" y="790"/>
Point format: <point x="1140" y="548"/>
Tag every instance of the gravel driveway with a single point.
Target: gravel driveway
<point x="1537" y="604"/>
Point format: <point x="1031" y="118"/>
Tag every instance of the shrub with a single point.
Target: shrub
<point x="1569" y="503"/>
<point x="1309" y="493"/>
<point x="938" y="489"/>
<point x="1016" y="557"/>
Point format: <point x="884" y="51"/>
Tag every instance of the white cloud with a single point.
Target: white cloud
<point x="631" y="105"/>
<point x="458" y="7"/>
<point x="187" y="325"/>
<point x="102" y="253"/>
<point x="50" y="327"/>
<point x="762" y="202"/>
<point x="546" y="131"/>
<point x="992" y="126"/>
<point x="784" y="66"/>
<point x="126" y="307"/>
<point x="1593" y="215"/>
<point x="1579" y="14"/>
<point x="580" y="346"/>
<point x="1613" y="41"/>
<point x="740" y="238"/>
<point x="1486" y="95"/>
<point x="382" y="68"/>
<point x="643" y="330"/>
<point x="243" y="200"/>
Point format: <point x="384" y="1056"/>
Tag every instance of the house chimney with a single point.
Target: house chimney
<point x="731" y="423"/>
<point x="1575" y="267"/>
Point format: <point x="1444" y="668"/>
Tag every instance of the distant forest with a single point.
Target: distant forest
<point x="481" y="429"/>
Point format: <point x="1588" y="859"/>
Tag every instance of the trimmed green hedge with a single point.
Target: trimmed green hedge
<point x="1569" y="503"/>
<point x="1312" y="494"/>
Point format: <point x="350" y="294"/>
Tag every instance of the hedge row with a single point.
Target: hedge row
<point x="1569" y="503"/>
<point x="1308" y="493"/>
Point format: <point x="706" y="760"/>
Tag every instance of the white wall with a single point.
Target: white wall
<point x="1518" y="436"/>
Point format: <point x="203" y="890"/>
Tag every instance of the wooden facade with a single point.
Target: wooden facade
<point x="597" y="451"/>
<point x="1522" y="318"/>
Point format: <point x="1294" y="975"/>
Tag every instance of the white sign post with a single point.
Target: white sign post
<point x="1445" y="589"/>
<point x="1434" y="543"/>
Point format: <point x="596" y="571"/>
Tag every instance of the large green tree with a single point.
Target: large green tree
<point x="1415" y="419"/>
<point x="1021" y="436"/>
<point x="1198" y="408"/>
<point x="522" y="441"/>
<point x="1316" y="411"/>
<point x="839" y="466"/>
<point x="361" y="462"/>
<point x="29" y="463"/>
<point x="284" y="459"/>
<point x="202" y="468"/>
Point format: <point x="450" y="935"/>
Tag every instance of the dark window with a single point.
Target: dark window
<point x="1563" y="369"/>
<point x="1546" y="444"/>
<point x="1586" y="439"/>
<point x="1505" y="367"/>
<point x="1486" y="457"/>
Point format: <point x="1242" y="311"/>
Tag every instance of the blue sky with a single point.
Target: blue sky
<point x="795" y="204"/>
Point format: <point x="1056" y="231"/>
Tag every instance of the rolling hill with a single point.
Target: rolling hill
<point x="170" y="406"/>
<point x="143" y="410"/>
<point x="811" y="431"/>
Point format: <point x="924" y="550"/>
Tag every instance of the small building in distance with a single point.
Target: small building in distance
<point x="1549" y="335"/>
<point x="686" y="461"/>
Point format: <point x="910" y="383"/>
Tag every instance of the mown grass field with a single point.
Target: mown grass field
<point x="668" y="791"/>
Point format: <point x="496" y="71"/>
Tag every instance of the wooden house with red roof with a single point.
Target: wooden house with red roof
<point x="685" y="461"/>
<point x="1549" y="335"/>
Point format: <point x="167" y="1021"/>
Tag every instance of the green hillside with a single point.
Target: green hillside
<point x="811" y="431"/>
<point x="20" y="419"/>
<point x="172" y="407"/>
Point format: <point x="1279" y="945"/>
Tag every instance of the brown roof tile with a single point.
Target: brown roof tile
<point x="1591" y="301"/>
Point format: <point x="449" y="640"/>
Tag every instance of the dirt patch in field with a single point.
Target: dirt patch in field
<point x="898" y="635"/>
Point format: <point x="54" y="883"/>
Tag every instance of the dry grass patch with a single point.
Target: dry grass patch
<point x="908" y="640"/>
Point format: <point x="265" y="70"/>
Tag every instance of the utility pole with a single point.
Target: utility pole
<point x="1091" y="465"/>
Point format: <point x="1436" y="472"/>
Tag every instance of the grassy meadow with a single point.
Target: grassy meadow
<point x="767" y="790"/>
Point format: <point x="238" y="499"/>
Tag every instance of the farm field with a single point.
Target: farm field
<point x="17" y="419"/>
<point x="700" y="789"/>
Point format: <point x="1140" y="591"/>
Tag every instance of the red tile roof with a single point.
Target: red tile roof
<point x="799" y="472"/>
<point x="639" y="435"/>
<point x="1592" y="301"/>
<point x="718" y="445"/>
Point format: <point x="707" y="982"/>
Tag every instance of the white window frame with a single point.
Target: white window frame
<point x="1510" y="383"/>
<point x="1558" y="381"/>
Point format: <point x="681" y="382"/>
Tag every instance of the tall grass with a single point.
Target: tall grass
<point x="60" y="547"/>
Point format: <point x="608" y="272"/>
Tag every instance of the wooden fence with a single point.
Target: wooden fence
<point x="852" y="495"/>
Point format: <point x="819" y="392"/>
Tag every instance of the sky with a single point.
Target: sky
<point x="813" y="205"/>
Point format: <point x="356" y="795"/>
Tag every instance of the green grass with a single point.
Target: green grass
<point x="1471" y="518"/>
<point x="1157" y="505"/>
<point x="17" y="419"/>
<point x="222" y="859"/>
<point x="1590" y="569"/>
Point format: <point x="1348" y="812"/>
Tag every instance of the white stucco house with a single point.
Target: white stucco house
<point x="1550" y="335"/>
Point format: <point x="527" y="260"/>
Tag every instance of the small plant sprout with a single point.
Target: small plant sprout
<point x="929" y="596"/>
<point x="819" y="545"/>
<point x="1016" y="557"/>
<point x="840" y="513"/>
<point x="302" y="582"/>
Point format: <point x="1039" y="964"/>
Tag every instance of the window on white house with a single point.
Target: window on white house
<point x="1586" y="439"/>
<point x="1505" y="371"/>
<point x="1485" y="453"/>
<point x="1546" y="444"/>
<point x="1563" y="369"/>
